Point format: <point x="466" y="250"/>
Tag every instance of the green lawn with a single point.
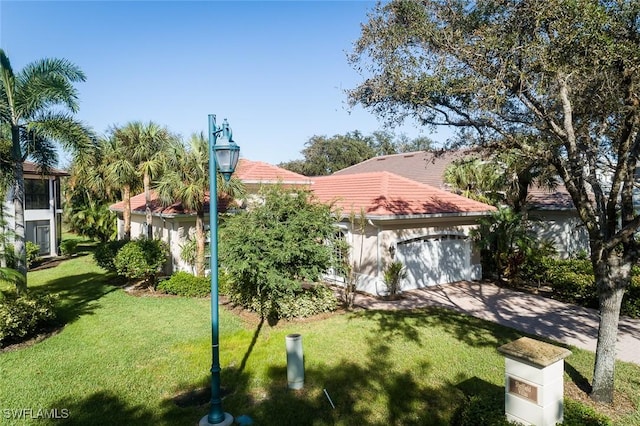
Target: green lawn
<point x="121" y="360"/>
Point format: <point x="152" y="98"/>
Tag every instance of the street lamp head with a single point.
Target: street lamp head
<point x="225" y="149"/>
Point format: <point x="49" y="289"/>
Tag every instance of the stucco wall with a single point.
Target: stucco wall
<point x="564" y="229"/>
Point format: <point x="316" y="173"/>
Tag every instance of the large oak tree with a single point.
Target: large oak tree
<point x="556" y="79"/>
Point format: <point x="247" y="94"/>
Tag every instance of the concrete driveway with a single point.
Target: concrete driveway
<point x="533" y="314"/>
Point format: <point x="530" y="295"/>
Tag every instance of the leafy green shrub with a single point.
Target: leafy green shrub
<point x="572" y="281"/>
<point x="69" y="247"/>
<point x="299" y="304"/>
<point x="488" y="410"/>
<point x="225" y="283"/>
<point x="631" y="300"/>
<point x="272" y="248"/>
<point x="25" y="316"/>
<point x="578" y="414"/>
<point x="106" y="252"/>
<point x="481" y="410"/>
<point x="185" y="284"/>
<point x="309" y="302"/>
<point x="10" y="256"/>
<point x="33" y="253"/>
<point x="141" y="260"/>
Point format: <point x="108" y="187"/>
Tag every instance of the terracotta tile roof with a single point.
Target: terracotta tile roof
<point x="175" y="209"/>
<point x="387" y="194"/>
<point x="421" y="166"/>
<point x="259" y="172"/>
<point x="428" y="168"/>
<point x="33" y="169"/>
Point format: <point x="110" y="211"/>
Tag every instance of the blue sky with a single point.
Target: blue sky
<point x="277" y="70"/>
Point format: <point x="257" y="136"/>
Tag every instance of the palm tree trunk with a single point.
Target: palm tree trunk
<point x="200" y="244"/>
<point x="126" y="213"/>
<point x="147" y="205"/>
<point x="19" y="237"/>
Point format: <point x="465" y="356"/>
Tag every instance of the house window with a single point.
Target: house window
<point x="36" y="194"/>
<point x="39" y="232"/>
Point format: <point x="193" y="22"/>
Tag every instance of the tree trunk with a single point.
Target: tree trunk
<point x="126" y="213"/>
<point x="147" y="205"/>
<point x="200" y="244"/>
<point x="612" y="277"/>
<point x="19" y="237"/>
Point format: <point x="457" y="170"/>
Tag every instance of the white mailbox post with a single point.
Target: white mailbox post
<point x="534" y="382"/>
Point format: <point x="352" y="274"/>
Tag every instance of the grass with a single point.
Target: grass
<point x="123" y="359"/>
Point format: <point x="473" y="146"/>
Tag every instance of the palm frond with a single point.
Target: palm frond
<point x="72" y="134"/>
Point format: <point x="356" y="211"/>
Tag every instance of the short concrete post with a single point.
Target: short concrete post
<point x="534" y="382"/>
<point x="295" y="361"/>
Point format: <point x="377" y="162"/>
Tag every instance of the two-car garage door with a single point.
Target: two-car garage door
<point x="432" y="260"/>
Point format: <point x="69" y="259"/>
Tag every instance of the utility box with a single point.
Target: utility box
<point x="534" y="382"/>
<point x="295" y="361"/>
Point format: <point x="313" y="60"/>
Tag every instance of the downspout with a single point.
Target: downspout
<point x="378" y="266"/>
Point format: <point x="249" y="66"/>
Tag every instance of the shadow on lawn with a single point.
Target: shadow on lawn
<point x="398" y="396"/>
<point x="78" y="294"/>
<point x="103" y="408"/>
<point x="467" y="329"/>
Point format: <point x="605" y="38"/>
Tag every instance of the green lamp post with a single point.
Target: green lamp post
<point x="223" y="155"/>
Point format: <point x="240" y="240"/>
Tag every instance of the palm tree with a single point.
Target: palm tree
<point x="187" y="181"/>
<point x="38" y="103"/>
<point x="476" y="179"/>
<point x="120" y="172"/>
<point x="502" y="179"/>
<point x="147" y="144"/>
<point x="88" y="194"/>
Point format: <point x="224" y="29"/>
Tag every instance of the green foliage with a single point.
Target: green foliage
<point x="631" y="299"/>
<point x="393" y="276"/>
<point x="33" y="253"/>
<point x="12" y="276"/>
<point x="92" y="220"/>
<point x="325" y="155"/>
<point x="578" y="414"/>
<point x="141" y="259"/>
<point x="489" y="410"/>
<point x="302" y="303"/>
<point x="25" y="316"/>
<point x="69" y="247"/>
<point x="106" y="252"/>
<point x="185" y="284"/>
<point x="269" y="250"/>
<point x="481" y="410"/>
<point x="572" y="280"/>
<point x="506" y="241"/>
<point x="308" y="302"/>
<point x="189" y="251"/>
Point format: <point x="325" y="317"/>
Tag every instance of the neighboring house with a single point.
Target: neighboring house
<point x="558" y="220"/>
<point x="176" y="226"/>
<point x="424" y="227"/>
<point x="42" y="208"/>
<point x="386" y="217"/>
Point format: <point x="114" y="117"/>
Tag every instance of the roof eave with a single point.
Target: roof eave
<point x="426" y="216"/>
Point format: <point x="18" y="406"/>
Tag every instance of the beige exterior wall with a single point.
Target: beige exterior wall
<point x="174" y="231"/>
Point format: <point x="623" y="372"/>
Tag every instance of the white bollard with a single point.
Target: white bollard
<point x="295" y="361"/>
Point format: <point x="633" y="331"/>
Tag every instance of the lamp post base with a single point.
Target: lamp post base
<point x="228" y="420"/>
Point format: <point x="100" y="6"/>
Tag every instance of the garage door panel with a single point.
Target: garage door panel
<point x="433" y="261"/>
